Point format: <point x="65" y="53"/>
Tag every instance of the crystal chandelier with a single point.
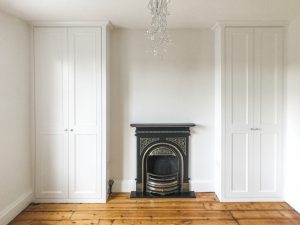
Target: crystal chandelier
<point x="157" y="30"/>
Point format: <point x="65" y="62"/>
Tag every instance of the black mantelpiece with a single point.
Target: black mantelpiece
<point x="162" y="160"/>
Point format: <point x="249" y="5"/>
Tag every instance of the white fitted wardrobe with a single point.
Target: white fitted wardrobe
<point x="249" y="108"/>
<point x="70" y="93"/>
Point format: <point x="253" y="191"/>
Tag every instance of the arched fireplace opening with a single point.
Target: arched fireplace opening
<point x="162" y="173"/>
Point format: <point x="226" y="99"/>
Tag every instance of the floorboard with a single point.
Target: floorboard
<point x="121" y="210"/>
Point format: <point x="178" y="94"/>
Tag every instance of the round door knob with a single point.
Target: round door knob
<point x="72" y="130"/>
<point x="66" y="129"/>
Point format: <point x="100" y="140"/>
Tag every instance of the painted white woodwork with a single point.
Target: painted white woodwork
<point x="105" y="127"/>
<point x="239" y="109"/>
<point x="85" y="112"/>
<point x="268" y="110"/>
<point x="249" y="73"/>
<point x="51" y="110"/>
<point x="70" y="112"/>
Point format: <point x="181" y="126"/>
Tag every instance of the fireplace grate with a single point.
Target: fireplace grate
<point x="162" y="184"/>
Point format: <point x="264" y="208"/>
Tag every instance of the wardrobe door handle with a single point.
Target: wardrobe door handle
<point x="71" y="130"/>
<point x="66" y="129"/>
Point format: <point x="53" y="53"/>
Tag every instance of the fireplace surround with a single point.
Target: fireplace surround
<point x="162" y="160"/>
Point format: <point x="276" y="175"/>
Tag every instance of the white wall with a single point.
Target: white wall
<point x="292" y="157"/>
<point x="148" y="89"/>
<point x="15" y="151"/>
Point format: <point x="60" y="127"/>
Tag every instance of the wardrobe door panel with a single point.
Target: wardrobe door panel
<point x="239" y="47"/>
<point x="268" y="108"/>
<point x="269" y="70"/>
<point x="239" y="77"/>
<point x="85" y="112"/>
<point x="51" y="112"/>
<point x="84" y="174"/>
<point x="51" y="166"/>
<point x="268" y="166"/>
<point x="239" y="158"/>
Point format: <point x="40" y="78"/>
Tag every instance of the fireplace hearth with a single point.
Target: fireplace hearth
<point x="162" y="160"/>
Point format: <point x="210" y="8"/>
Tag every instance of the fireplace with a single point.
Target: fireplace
<point x="162" y="160"/>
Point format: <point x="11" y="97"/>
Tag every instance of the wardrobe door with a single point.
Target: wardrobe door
<point x="239" y="47"/>
<point x="268" y="110"/>
<point x="85" y="112"/>
<point x="51" y="112"/>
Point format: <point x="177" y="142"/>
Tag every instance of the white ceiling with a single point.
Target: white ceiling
<point x="134" y="13"/>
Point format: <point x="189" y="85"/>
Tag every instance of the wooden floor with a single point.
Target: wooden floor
<point x="120" y="209"/>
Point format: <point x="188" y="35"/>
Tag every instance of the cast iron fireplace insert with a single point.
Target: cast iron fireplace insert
<point x="162" y="161"/>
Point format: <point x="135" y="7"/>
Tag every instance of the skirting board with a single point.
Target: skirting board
<point x="195" y="185"/>
<point x="55" y="200"/>
<point x="294" y="203"/>
<point x="14" y="209"/>
<point x="202" y="185"/>
<point x="254" y="199"/>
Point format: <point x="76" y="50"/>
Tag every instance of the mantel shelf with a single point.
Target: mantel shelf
<point x="148" y="125"/>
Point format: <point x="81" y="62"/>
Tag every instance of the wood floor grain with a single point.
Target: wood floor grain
<point x="121" y="210"/>
<point x="269" y="222"/>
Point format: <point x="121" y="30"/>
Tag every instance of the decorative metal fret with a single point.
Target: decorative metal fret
<point x="144" y="142"/>
<point x="162" y="151"/>
<point x="180" y="141"/>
